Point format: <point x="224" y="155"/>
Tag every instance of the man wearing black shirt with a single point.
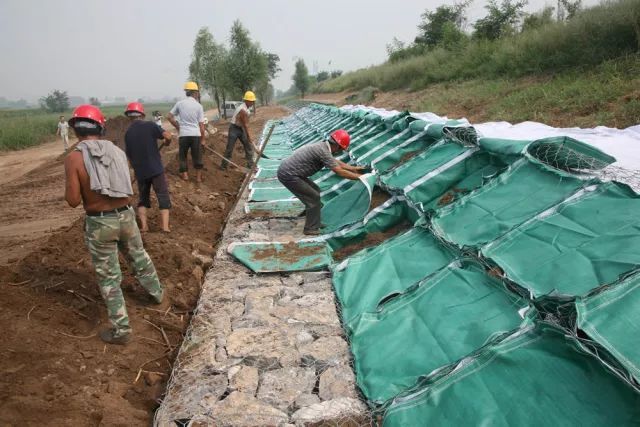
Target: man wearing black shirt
<point x="141" y="146"/>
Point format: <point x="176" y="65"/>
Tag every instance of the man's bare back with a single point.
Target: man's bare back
<point x="78" y="188"/>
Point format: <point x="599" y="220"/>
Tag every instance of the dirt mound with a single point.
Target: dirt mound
<point x="116" y="128"/>
<point x="55" y="369"/>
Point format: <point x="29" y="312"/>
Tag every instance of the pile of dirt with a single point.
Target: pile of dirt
<point x="116" y="127"/>
<point x="371" y="239"/>
<point x="56" y="371"/>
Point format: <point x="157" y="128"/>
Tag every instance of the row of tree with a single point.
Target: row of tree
<point x="226" y="72"/>
<point x="302" y="81"/>
<point x="58" y="101"/>
<point x="446" y="26"/>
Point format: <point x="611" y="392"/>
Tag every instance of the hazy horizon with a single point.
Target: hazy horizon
<point x="143" y="49"/>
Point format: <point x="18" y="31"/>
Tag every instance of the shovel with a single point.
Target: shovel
<point x="243" y="169"/>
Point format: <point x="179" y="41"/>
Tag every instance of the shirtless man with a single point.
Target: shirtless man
<point x="104" y="188"/>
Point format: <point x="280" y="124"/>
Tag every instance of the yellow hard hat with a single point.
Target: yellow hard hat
<point x="191" y="86"/>
<point x="249" y="96"/>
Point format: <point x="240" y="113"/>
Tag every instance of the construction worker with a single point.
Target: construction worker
<point x="141" y="146"/>
<point x="63" y="131"/>
<point x="295" y="170"/>
<point x="190" y="126"/>
<point x="157" y="117"/>
<point x="239" y="128"/>
<point x="97" y="174"/>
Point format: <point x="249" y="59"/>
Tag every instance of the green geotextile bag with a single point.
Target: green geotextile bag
<point x="272" y="193"/>
<point x="393" y="212"/>
<point x="275" y="208"/>
<point x="535" y="377"/>
<point x="423" y="135"/>
<point x="263" y="174"/>
<point x="268" y="163"/>
<point x="401" y="152"/>
<point x="365" y="157"/>
<point x="587" y="241"/>
<point x="266" y="183"/>
<point x="349" y="206"/>
<point x="611" y="318"/>
<point x="518" y="194"/>
<point x="368" y="277"/>
<point x="369" y="141"/>
<point x="437" y="155"/>
<point x="268" y="257"/>
<point x="440" y="320"/>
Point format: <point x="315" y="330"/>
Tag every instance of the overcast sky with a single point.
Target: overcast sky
<point x="142" y="48"/>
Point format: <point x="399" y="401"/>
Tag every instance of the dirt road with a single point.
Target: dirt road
<point x="53" y="368"/>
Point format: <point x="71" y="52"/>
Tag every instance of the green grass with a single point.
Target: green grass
<point x="608" y="94"/>
<point x="596" y="35"/>
<point x="24" y="128"/>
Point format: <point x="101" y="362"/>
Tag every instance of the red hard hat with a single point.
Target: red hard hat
<point x="341" y="137"/>
<point x="134" y="107"/>
<point x="87" y="112"/>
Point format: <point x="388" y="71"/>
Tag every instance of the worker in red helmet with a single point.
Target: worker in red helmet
<point x="141" y="146"/>
<point x="97" y="174"/>
<point x="295" y="170"/>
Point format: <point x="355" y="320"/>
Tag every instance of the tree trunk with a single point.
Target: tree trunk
<point x="224" y="104"/>
<point x="217" y="98"/>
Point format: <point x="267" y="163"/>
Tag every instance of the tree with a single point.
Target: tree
<point x="247" y="64"/>
<point x="264" y="88"/>
<point x="395" y="46"/>
<point x="55" y="102"/>
<point x="322" y="76"/>
<point x="336" y="73"/>
<point x="207" y="67"/>
<point x="94" y="101"/>
<point x="435" y="24"/>
<point x="571" y="7"/>
<point x="534" y="21"/>
<point x="501" y="20"/>
<point x="301" y="77"/>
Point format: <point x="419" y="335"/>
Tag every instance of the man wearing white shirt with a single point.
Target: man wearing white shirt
<point x="187" y="116"/>
<point x="63" y="131"/>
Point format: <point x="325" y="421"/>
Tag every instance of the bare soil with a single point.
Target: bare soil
<point x="378" y="197"/>
<point x="55" y="370"/>
<point x="371" y="239"/>
<point x="290" y="252"/>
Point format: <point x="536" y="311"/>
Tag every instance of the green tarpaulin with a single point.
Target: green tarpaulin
<point x="275" y="256"/>
<point x="581" y="244"/>
<point x="515" y="196"/>
<point x="536" y="377"/>
<point x="612" y="319"/>
<point x="441" y="320"/>
<point x="365" y="279"/>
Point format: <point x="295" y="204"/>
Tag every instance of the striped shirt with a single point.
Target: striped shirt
<point x="306" y="161"/>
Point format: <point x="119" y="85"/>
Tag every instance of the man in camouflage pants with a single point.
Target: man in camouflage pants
<point x="97" y="174"/>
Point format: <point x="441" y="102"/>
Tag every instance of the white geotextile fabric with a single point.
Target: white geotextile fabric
<point x="623" y="144"/>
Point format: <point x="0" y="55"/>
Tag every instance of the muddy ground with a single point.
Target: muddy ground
<point x="54" y="370"/>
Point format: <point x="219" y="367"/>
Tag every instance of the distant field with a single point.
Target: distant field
<point x="24" y="128"/>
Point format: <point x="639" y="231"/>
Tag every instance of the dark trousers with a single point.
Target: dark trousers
<point x="309" y="193"/>
<point x="187" y="143"/>
<point x="236" y="132"/>
<point x="161" y="188"/>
